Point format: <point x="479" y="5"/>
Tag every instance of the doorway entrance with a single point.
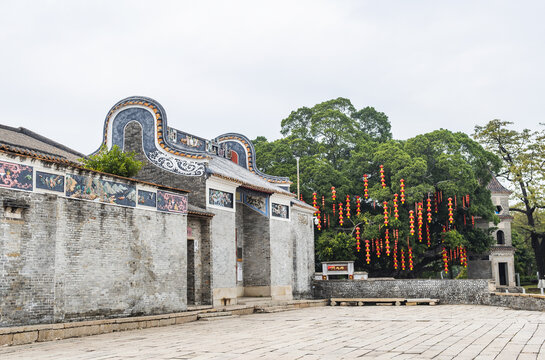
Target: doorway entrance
<point x="502" y="268"/>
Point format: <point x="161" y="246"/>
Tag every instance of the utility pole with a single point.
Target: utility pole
<point x="297" y="159"/>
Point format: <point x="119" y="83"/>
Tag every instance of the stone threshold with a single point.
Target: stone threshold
<point x="19" y="335"/>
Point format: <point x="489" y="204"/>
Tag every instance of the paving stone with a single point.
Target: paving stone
<point x="418" y="332"/>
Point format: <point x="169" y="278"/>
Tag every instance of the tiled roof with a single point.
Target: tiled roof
<point x="195" y="210"/>
<point x="229" y="170"/>
<point x="26" y="142"/>
<point x="496" y="187"/>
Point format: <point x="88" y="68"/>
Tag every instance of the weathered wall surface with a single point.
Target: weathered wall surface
<point x="69" y="260"/>
<point x="281" y="253"/>
<point x="302" y="235"/>
<point x="447" y="291"/>
<point x="257" y="248"/>
<point x="196" y="185"/>
<point x="222" y="233"/>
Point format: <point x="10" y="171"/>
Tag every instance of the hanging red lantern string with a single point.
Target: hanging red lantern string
<point x="381" y="245"/>
<point x="395" y="254"/>
<point x="377" y="247"/>
<point x="365" y="186"/>
<point x="463" y="202"/>
<point x="301" y="197"/>
<point x="333" y="193"/>
<point x="358" y="238"/>
<point x="420" y="222"/>
<point x="324" y="219"/>
<point x="410" y="259"/>
<point x="348" y="206"/>
<point x="367" y="252"/>
<point x="341" y="221"/>
<point x="435" y="202"/>
<point x="450" y="214"/>
<point x="428" y="235"/>
<point x="333" y="209"/>
<point x="358" y="209"/>
<point x="445" y="260"/>
<point x="387" y="241"/>
<point x="323" y="203"/>
<point x="465" y="257"/>
<point x="467" y="200"/>
<point x="382" y="179"/>
<point x="396" y="212"/>
<point x="319" y="220"/>
<point x="402" y="259"/>
<point x="455" y="202"/>
<point x="473" y="220"/>
<point x="428" y="208"/>
<point x="385" y="204"/>
<point x="314" y="203"/>
<point x="465" y="220"/>
<point x="411" y="221"/>
<point x="402" y="190"/>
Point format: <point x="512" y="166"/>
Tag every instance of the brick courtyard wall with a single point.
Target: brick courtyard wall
<point x="67" y="260"/>
<point x="447" y="291"/>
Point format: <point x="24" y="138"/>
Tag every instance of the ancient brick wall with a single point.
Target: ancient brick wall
<point x="302" y="240"/>
<point x="68" y="259"/>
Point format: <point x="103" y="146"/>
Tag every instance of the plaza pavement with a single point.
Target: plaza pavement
<point x="378" y="332"/>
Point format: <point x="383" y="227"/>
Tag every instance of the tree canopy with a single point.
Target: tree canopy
<point x="338" y="144"/>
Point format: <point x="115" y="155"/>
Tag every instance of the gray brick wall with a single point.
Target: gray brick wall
<point x="281" y="253"/>
<point x="70" y="260"/>
<point x="257" y="248"/>
<point x="448" y="291"/>
<point x="302" y="239"/>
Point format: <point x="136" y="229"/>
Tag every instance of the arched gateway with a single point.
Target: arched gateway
<point x="247" y="234"/>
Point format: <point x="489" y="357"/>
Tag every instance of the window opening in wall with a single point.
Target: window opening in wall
<point x="500" y="236"/>
<point x="499" y="209"/>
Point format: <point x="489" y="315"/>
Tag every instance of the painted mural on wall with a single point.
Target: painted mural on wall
<point x="110" y="192"/>
<point x="48" y="181"/>
<point x="220" y="198"/>
<point x="169" y="202"/>
<point x="256" y="201"/>
<point x="147" y="198"/>
<point x="16" y="176"/>
<point x="281" y="211"/>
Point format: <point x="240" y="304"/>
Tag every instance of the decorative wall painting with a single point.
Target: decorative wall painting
<point x="110" y="192"/>
<point x="256" y="201"/>
<point x="169" y="202"/>
<point x="51" y="182"/>
<point x="281" y="211"/>
<point x="220" y="198"/>
<point x="147" y="198"/>
<point x="15" y="176"/>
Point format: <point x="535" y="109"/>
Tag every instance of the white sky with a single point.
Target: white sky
<point x="243" y="66"/>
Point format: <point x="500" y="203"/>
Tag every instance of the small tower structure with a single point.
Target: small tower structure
<point x="502" y="253"/>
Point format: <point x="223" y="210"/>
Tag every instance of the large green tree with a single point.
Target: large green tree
<point x="523" y="155"/>
<point x="338" y="144"/>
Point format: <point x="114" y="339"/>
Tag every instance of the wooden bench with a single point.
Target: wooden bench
<point x="363" y="301"/>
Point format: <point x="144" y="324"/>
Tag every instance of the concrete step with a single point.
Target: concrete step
<point x="273" y="309"/>
<point x="254" y="300"/>
<point x="215" y="315"/>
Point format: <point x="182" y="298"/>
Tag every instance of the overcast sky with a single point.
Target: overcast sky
<point x="243" y="66"/>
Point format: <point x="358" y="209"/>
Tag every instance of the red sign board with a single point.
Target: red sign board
<point x="337" y="268"/>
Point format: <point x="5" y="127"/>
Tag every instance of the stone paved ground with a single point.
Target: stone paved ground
<point x="415" y="332"/>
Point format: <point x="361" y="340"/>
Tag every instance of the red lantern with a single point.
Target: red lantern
<point x="358" y="209"/>
<point x="402" y="259"/>
<point x="467" y="200"/>
<point x="382" y="179"/>
<point x="365" y="185"/>
<point x="387" y="241"/>
<point x="445" y="260"/>
<point x="429" y="209"/>
<point x="428" y="235"/>
<point x="450" y="214"/>
<point x="367" y="252"/>
<point x="301" y="197"/>
<point x="323" y="202"/>
<point x="385" y="204"/>
<point x="333" y="209"/>
<point x="377" y="247"/>
<point x="420" y="222"/>
<point x="395" y="254"/>
<point x="341" y="221"/>
<point x="319" y="222"/>
<point x="402" y="190"/>
<point x="396" y="212"/>
<point x="348" y="206"/>
<point x="473" y="220"/>
<point x="314" y="203"/>
<point x="411" y="221"/>
<point x="333" y="193"/>
<point x="410" y="259"/>
<point x="358" y="238"/>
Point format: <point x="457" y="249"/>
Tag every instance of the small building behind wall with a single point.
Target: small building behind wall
<point x="77" y="244"/>
<point x="261" y="237"/>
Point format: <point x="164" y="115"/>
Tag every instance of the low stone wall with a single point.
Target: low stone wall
<point x="447" y="291"/>
<point x="473" y="292"/>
